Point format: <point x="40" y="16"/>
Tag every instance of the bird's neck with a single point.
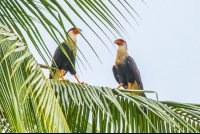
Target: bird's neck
<point x="121" y="53"/>
<point x="72" y="40"/>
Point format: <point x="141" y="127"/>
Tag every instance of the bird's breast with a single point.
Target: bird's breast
<point x="72" y="41"/>
<point x="120" y="60"/>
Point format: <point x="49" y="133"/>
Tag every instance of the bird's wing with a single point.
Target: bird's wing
<point x="58" y="56"/>
<point x="115" y="74"/>
<point x="134" y="71"/>
<point x="56" y="60"/>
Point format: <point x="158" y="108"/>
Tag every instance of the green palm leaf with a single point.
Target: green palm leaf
<point x="24" y="16"/>
<point x="117" y="111"/>
<point x="31" y="103"/>
<point x="27" y="100"/>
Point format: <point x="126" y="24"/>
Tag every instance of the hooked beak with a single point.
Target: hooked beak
<point x="115" y="42"/>
<point x="79" y="30"/>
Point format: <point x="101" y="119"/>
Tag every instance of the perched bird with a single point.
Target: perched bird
<point x="125" y="70"/>
<point x="61" y="60"/>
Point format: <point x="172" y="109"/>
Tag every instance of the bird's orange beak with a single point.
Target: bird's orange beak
<point x="77" y="31"/>
<point x="118" y="42"/>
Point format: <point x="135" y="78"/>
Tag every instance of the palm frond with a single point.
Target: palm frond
<point x="28" y="15"/>
<point x="31" y="103"/>
<point x="28" y="103"/>
<point x="117" y="111"/>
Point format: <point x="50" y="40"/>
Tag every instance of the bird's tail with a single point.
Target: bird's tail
<point x="136" y="86"/>
<point x="143" y="94"/>
<point x="53" y="69"/>
<point x="44" y="66"/>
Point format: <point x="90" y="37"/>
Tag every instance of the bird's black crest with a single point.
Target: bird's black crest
<point x="71" y="29"/>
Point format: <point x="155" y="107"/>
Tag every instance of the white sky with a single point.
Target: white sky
<point x="165" y="47"/>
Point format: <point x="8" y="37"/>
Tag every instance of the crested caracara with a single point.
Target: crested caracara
<point x="61" y="60"/>
<point x="125" y="70"/>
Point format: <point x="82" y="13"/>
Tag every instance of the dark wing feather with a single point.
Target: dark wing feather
<point x="58" y="56"/>
<point x="115" y="74"/>
<point x="134" y="70"/>
<point x="66" y="62"/>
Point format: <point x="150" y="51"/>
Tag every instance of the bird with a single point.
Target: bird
<point x="125" y="69"/>
<point x="61" y="60"/>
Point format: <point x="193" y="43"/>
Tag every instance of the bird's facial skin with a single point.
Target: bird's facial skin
<point x="77" y="31"/>
<point x="120" y="42"/>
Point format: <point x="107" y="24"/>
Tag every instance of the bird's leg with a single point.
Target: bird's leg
<point x="121" y="84"/>
<point x="129" y="86"/>
<point x="62" y="74"/>
<point x="79" y="81"/>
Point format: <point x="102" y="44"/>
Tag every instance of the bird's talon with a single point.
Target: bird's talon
<point x="65" y="80"/>
<point x="83" y="83"/>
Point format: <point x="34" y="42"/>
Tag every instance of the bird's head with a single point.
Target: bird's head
<point x="74" y="30"/>
<point x="120" y="42"/>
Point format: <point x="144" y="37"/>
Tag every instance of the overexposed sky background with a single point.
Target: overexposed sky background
<point x="165" y="47"/>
